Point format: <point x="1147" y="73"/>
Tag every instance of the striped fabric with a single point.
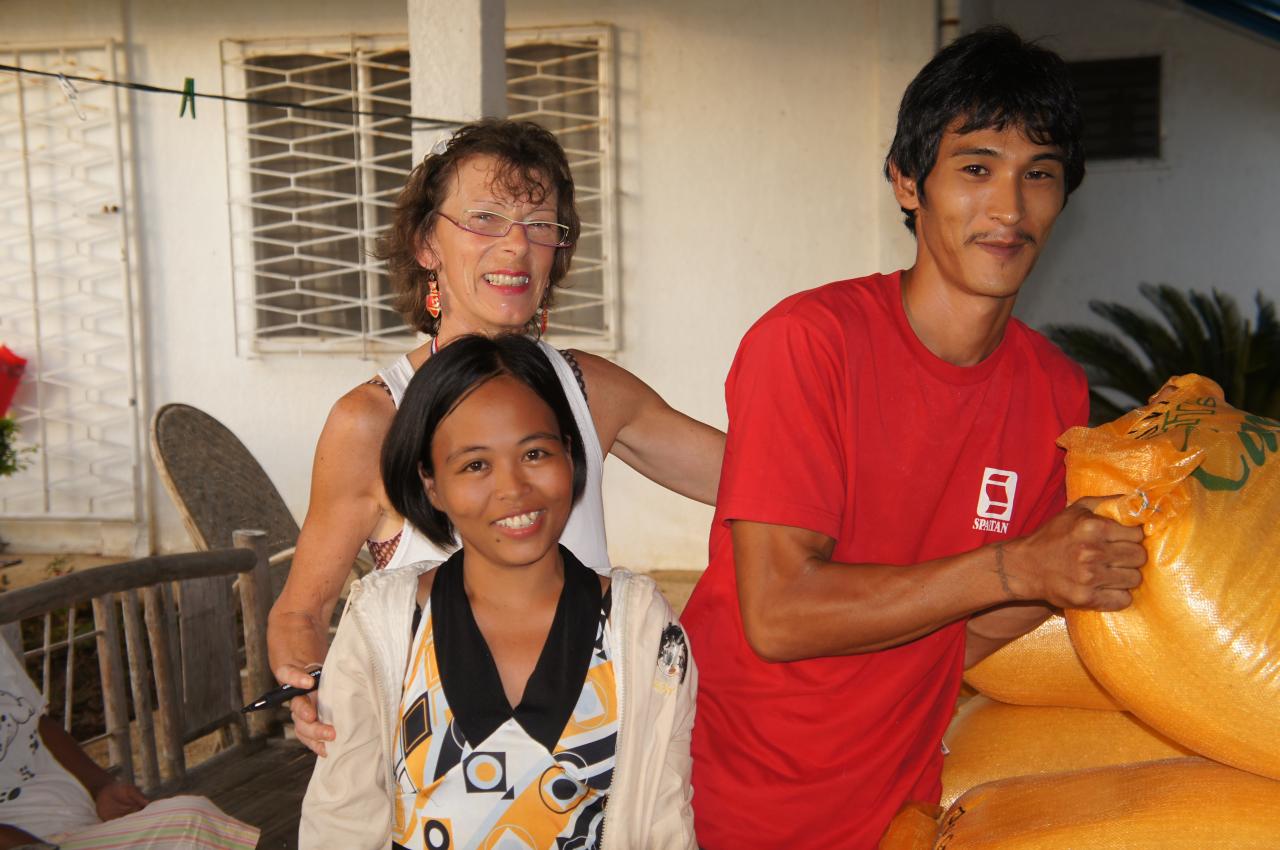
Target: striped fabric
<point x="176" y="822"/>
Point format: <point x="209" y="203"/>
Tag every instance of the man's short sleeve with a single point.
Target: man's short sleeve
<point x="784" y="460"/>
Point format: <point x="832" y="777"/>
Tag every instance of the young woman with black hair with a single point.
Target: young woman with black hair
<point x="509" y="693"/>
<point x="482" y="238"/>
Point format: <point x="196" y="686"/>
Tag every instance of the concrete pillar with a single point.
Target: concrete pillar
<point x="456" y="63"/>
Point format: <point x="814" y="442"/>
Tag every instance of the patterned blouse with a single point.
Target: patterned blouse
<point x="474" y="773"/>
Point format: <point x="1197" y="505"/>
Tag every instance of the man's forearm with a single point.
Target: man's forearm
<point x="796" y="603"/>
<point x="829" y="608"/>
<point x="992" y="629"/>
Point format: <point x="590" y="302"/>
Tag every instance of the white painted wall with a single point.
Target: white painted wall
<point x="1202" y="217"/>
<point x="751" y="136"/>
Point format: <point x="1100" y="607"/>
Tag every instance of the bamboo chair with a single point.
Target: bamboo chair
<point x="133" y="635"/>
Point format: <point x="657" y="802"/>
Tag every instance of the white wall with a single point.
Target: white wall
<point x="1202" y="217"/>
<point x="751" y="136"/>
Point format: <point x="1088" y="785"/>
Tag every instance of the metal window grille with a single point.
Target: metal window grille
<point x="67" y="289"/>
<point x="1120" y="101"/>
<point x="310" y="193"/>
<point x="562" y="79"/>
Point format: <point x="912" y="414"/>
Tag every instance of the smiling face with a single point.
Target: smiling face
<point x="502" y="474"/>
<point x="990" y="202"/>
<point x="488" y="284"/>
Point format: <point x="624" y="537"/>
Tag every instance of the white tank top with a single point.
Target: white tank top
<point x="584" y="534"/>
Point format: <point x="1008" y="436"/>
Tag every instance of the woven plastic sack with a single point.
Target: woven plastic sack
<point x="1197" y="654"/>
<point x="990" y="740"/>
<point x="1039" y="668"/>
<point x="1182" y="804"/>
<point x="914" y="827"/>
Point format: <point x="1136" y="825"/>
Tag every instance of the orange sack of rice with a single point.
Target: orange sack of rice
<point x="989" y="740"/>
<point x="1197" y="654"/>
<point x="913" y="828"/>
<point x="1039" y="668"/>
<point x="1180" y="804"/>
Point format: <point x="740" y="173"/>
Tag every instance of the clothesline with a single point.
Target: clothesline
<point x="189" y="92"/>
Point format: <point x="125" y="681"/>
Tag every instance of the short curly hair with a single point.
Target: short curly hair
<point x="531" y="163"/>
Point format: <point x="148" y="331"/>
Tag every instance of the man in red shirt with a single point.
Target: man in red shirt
<point x="891" y="507"/>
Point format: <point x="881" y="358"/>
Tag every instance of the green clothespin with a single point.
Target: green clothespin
<point x="188" y="96"/>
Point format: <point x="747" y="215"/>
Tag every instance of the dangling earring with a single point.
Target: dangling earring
<point x="542" y="313"/>
<point x="433" y="295"/>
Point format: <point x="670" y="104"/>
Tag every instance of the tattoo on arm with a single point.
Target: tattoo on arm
<point x="1004" y="579"/>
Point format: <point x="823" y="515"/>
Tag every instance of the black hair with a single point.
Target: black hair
<point x="989" y="79"/>
<point x="443" y="382"/>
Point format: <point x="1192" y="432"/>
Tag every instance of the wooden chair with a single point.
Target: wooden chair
<point x="135" y="617"/>
<point x="218" y="486"/>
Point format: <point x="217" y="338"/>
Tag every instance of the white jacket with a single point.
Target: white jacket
<point x="349" y="804"/>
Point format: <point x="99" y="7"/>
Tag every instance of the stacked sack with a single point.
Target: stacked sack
<point x="1156" y="726"/>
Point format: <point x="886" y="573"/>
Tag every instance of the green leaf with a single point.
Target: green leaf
<point x="1182" y="319"/>
<point x="1190" y="332"/>
<point x="1106" y="360"/>
<point x="1152" y="338"/>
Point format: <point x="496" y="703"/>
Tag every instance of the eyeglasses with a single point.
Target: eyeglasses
<point x="488" y="223"/>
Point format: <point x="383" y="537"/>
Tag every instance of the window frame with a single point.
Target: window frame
<point x="1165" y="159"/>
<point x="237" y="57"/>
<point x="608" y="339"/>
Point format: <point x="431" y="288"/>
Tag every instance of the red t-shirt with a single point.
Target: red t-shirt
<point x="842" y="422"/>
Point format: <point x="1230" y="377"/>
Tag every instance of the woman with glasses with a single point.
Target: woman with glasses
<point x="484" y="232"/>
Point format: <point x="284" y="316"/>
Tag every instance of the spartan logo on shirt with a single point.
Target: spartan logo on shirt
<point x="995" y="500"/>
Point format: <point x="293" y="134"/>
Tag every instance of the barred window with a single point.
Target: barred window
<point x="1120" y="101"/>
<point x="69" y="298"/>
<point x="311" y="191"/>
<point x="560" y="79"/>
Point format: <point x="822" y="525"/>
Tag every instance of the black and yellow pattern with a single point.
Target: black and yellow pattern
<point x="507" y="792"/>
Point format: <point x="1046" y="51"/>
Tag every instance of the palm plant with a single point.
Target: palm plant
<point x="1193" y="332"/>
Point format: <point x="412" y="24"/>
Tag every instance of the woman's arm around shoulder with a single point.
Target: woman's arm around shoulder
<point x="348" y="802"/>
<point x="656" y="440"/>
<point x="346" y="487"/>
